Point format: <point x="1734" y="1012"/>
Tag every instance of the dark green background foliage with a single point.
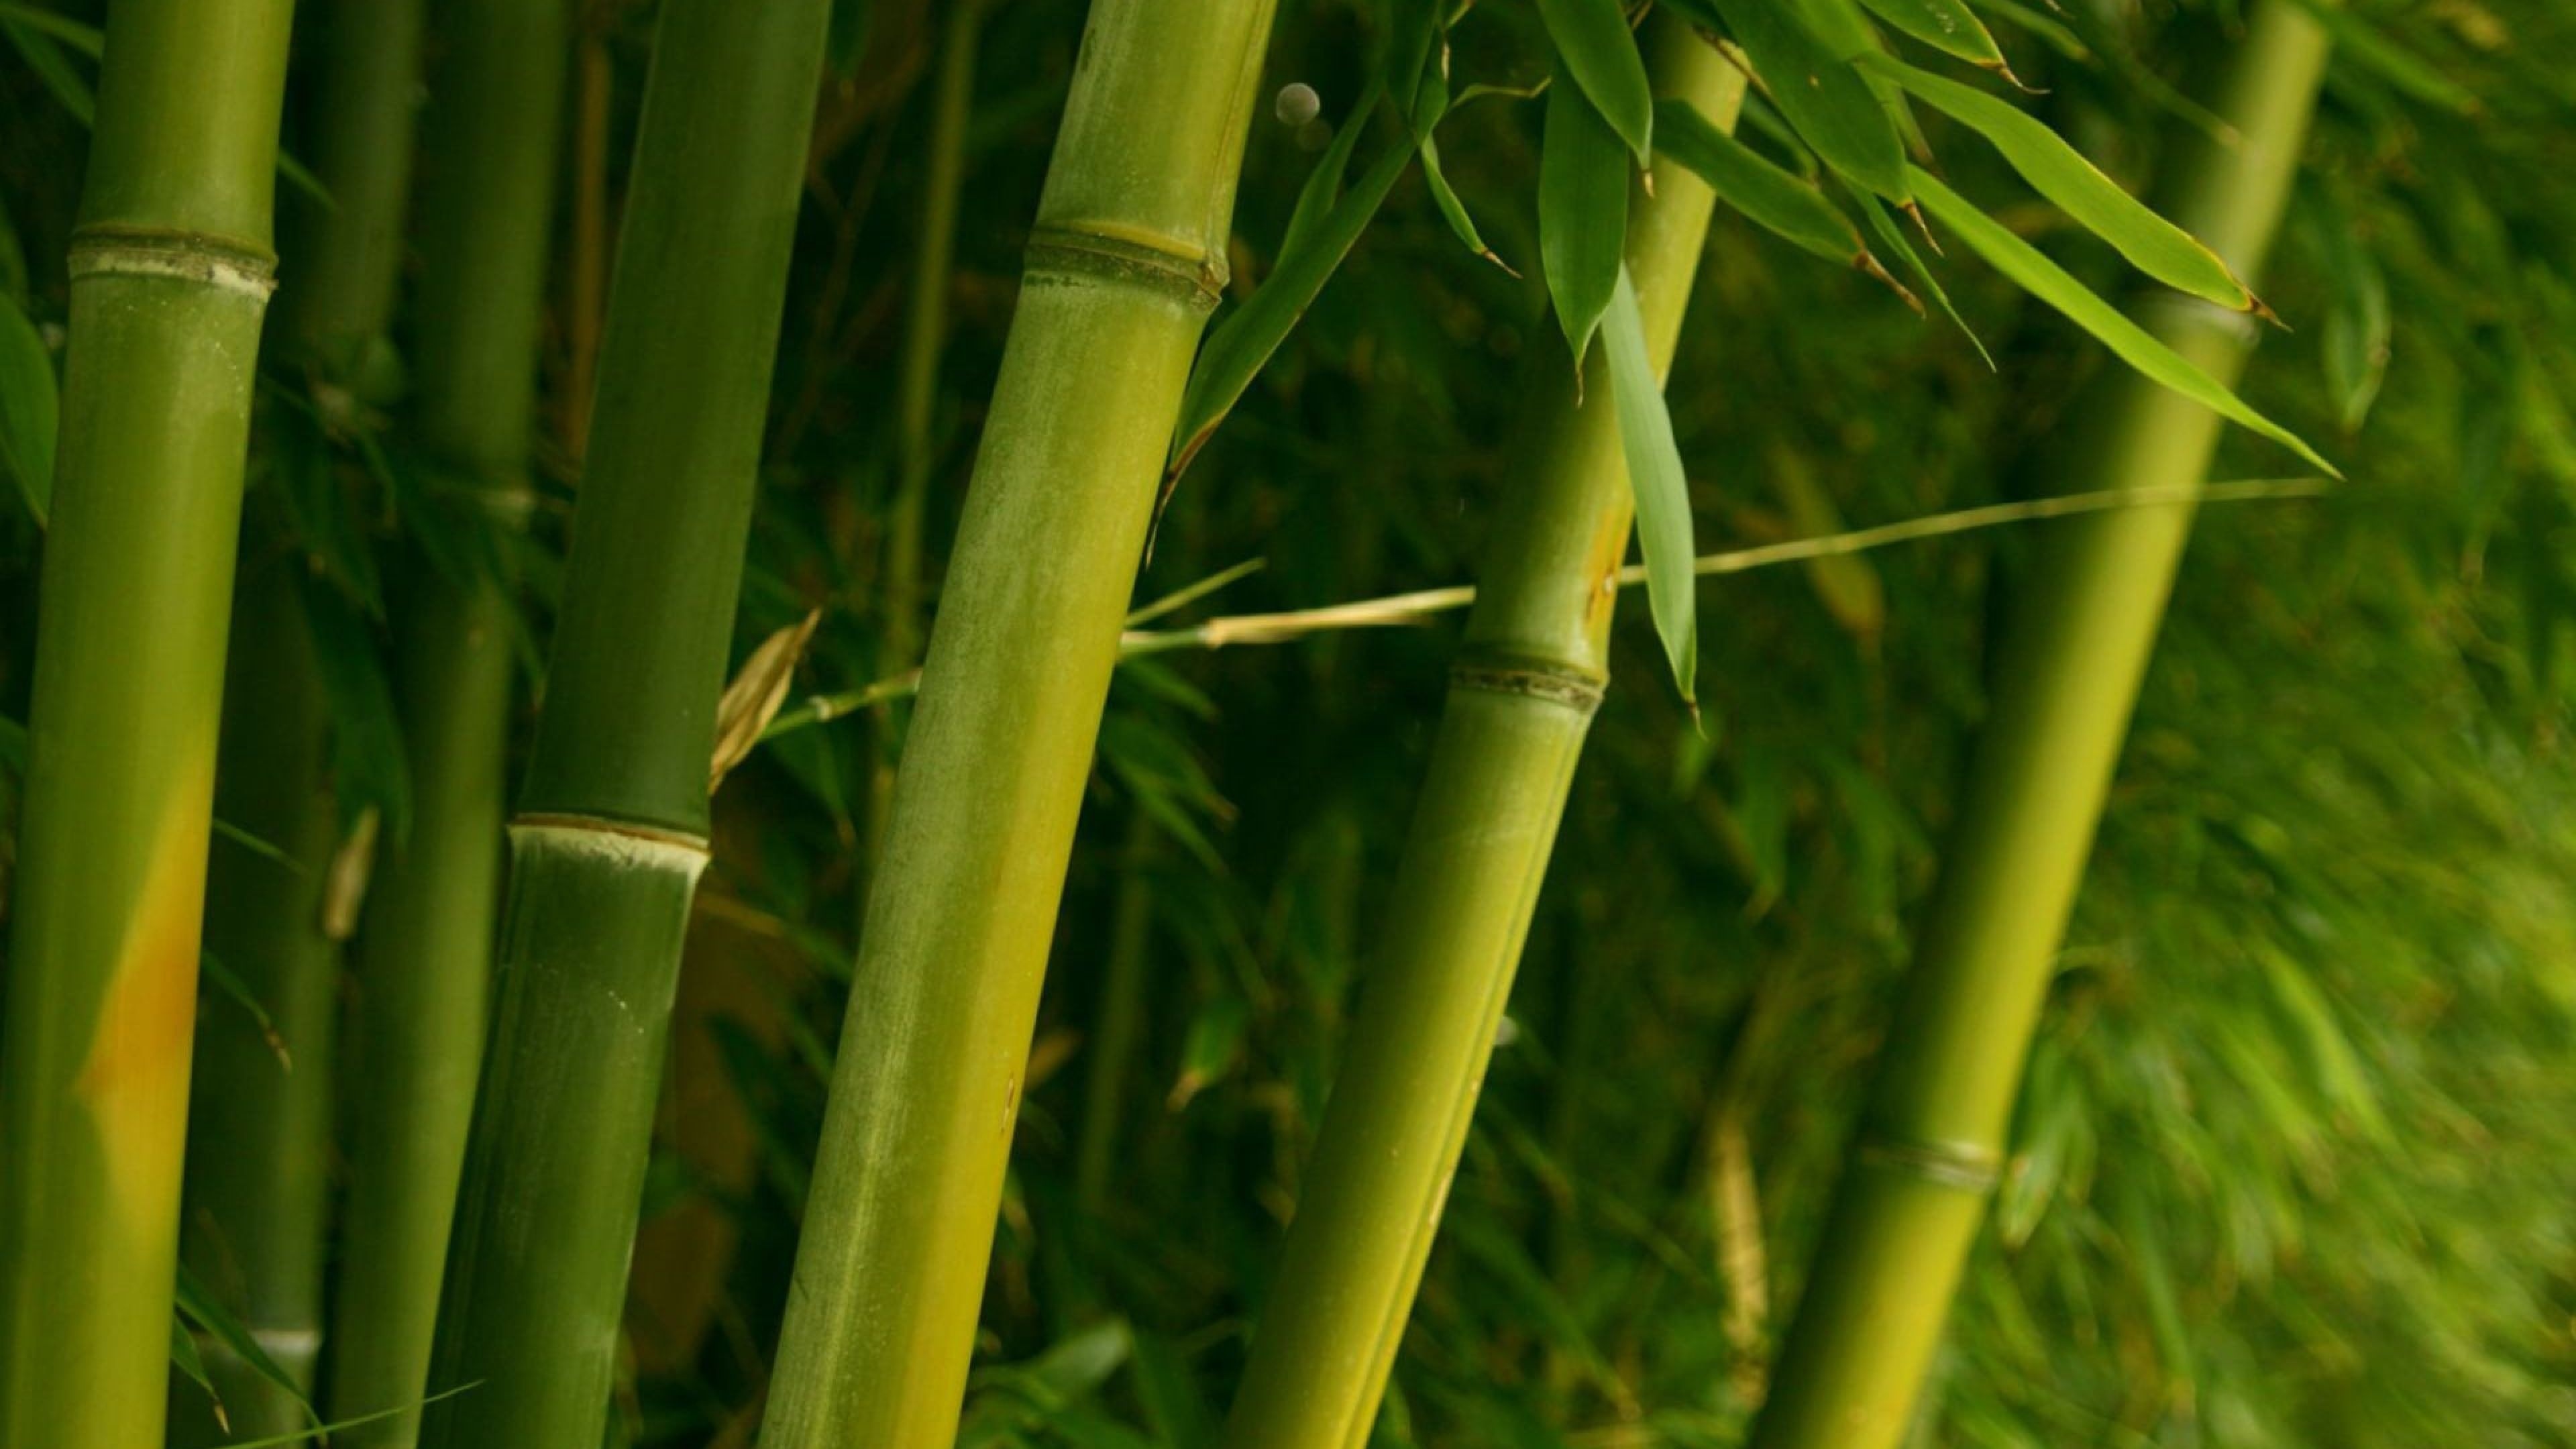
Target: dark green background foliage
<point x="2294" y="1155"/>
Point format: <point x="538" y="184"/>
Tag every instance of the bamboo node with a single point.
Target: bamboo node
<point x="1576" y="689"/>
<point x="644" y="846"/>
<point x="208" y="261"/>
<point x="1195" y="279"/>
<point x="1961" y="1165"/>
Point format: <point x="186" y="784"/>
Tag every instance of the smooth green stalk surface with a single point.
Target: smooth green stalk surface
<point x="169" y="282"/>
<point x="611" y="833"/>
<point x="1915" y="1187"/>
<point x="259" y="1133"/>
<point x="1127" y="257"/>
<point x="418" y="999"/>
<point x="1521" y="696"/>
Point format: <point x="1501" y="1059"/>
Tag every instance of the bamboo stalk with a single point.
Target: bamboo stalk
<point x="1931" y="1144"/>
<point x="418" y="999"/>
<point x="170" y="274"/>
<point x="1127" y="258"/>
<point x="611" y="831"/>
<point x="1521" y="695"/>
<point x="256" y="1195"/>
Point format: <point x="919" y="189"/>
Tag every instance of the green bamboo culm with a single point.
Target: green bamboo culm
<point x="610" y="834"/>
<point x="1528" y="675"/>
<point x="170" y="272"/>
<point x="259" y="1128"/>
<point x="489" y="139"/>
<point x="1127" y="258"/>
<point x="1916" y="1183"/>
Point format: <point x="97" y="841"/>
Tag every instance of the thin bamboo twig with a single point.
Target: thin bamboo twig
<point x="1421" y="605"/>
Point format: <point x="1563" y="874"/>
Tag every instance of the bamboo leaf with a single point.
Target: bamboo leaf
<point x="757" y="690"/>
<point x="38" y="45"/>
<point x="2366" y="46"/>
<point x="1582" y="214"/>
<point x="2059" y="172"/>
<point x="1323" y="188"/>
<point x="369" y="768"/>
<point x="1893" y="237"/>
<point x="1593" y="40"/>
<point x="192" y="1367"/>
<point x="230" y="985"/>
<point x="1662" y="491"/>
<point x="1786" y="205"/>
<point x="1214" y="1045"/>
<point x="1948" y="26"/>
<point x="1425" y="115"/>
<point x="1823" y="96"/>
<point x="2050" y="283"/>
<point x="199" y="1307"/>
<point x="1237" y="350"/>
<point x="30" y="402"/>
<point x="2355" y="346"/>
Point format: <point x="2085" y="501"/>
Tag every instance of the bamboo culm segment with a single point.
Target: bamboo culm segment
<point x="606" y="851"/>
<point x="256" y="1196"/>
<point x="1532" y="666"/>
<point x="489" y="138"/>
<point x="1125" y="262"/>
<point x="170" y="275"/>
<point x="1915" y="1186"/>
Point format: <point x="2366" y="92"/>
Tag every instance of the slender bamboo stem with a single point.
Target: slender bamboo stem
<point x="925" y="338"/>
<point x="1127" y="258"/>
<point x="170" y="272"/>
<point x="611" y="831"/>
<point x="489" y="139"/>
<point x="1521" y="695"/>
<point x="256" y="1196"/>
<point x="1915" y="1186"/>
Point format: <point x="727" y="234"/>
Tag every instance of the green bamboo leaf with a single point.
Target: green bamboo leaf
<point x="2059" y="172"/>
<point x="198" y="1305"/>
<point x="37" y="45"/>
<point x="1582" y="213"/>
<point x="229" y="984"/>
<point x="321" y="1433"/>
<point x="1410" y="27"/>
<point x="1948" y="26"/>
<point x="1244" y="342"/>
<point x="1786" y="205"/>
<point x="2355" y="346"/>
<point x="2050" y="283"/>
<point x="369" y="768"/>
<point x="192" y="1366"/>
<point x="1662" y="491"/>
<point x="1893" y="237"/>
<point x="1323" y="188"/>
<point x="1823" y="96"/>
<point x="1431" y="103"/>
<point x="30" y="401"/>
<point x="1593" y="39"/>
<point x="2365" y="45"/>
<point x="1213" y="1047"/>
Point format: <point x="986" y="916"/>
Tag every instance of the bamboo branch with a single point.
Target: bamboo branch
<point x="1422" y="605"/>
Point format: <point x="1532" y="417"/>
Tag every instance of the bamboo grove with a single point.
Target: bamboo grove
<point x="1231" y="724"/>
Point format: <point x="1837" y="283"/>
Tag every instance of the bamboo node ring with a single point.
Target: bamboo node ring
<point x="1576" y="689"/>
<point x="1959" y="1165"/>
<point x="1196" y="280"/>
<point x="208" y="261"/>
<point x="624" y="840"/>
